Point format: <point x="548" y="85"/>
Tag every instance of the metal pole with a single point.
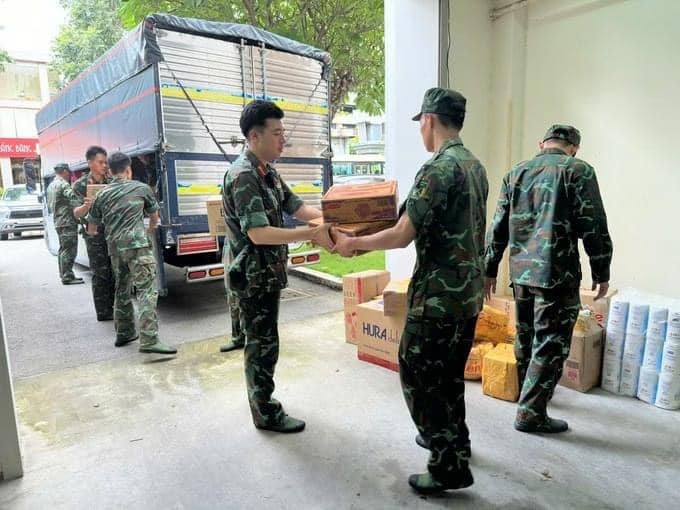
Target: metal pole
<point x="10" y="449"/>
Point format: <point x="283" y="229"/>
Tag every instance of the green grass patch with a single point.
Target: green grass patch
<point x="336" y="265"/>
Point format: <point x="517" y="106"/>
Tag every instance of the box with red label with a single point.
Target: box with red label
<point x="358" y="288"/>
<point x="378" y="335"/>
<point x="360" y="203"/>
<point x="600" y="308"/>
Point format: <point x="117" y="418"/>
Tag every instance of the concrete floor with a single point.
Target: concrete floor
<point x="140" y="433"/>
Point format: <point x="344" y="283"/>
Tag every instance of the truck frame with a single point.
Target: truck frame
<point x="170" y="94"/>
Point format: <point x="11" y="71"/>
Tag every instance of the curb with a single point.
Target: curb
<point x="317" y="277"/>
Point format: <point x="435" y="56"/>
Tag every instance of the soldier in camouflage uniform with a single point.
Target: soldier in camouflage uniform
<point x="103" y="282"/>
<point x="546" y="204"/>
<point x="445" y="213"/>
<point x="254" y="199"/>
<point x="121" y="208"/>
<point x="59" y="199"/>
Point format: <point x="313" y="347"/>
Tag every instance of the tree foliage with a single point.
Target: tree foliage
<point x="93" y="26"/>
<point x="4" y="59"/>
<point x="352" y="31"/>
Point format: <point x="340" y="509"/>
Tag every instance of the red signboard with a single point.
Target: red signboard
<point x="18" y="147"/>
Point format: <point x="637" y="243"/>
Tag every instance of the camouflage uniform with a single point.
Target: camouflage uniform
<point x="447" y="206"/>
<point x="546" y="204"/>
<point x="103" y="282"/>
<point x="121" y="208"/>
<point x="237" y="336"/>
<point x="254" y="195"/>
<point x="59" y="199"/>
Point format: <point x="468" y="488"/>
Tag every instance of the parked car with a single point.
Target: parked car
<point x="20" y="211"/>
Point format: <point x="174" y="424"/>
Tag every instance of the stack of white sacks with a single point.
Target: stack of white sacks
<point x="642" y="349"/>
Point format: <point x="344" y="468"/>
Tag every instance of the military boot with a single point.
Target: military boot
<point x="157" y="348"/>
<point x="547" y="426"/>
<point x="422" y="442"/>
<point x="286" y="425"/>
<point x="72" y="281"/>
<point x="232" y="346"/>
<point x="424" y="483"/>
<point x="120" y="342"/>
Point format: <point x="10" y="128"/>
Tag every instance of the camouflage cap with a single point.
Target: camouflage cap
<point x="61" y="167"/>
<point x="563" y="132"/>
<point x="443" y="102"/>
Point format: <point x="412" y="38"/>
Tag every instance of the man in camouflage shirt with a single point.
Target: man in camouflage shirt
<point x="445" y="213"/>
<point x="103" y="282"/>
<point x="254" y="199"/>
<point x="59" y="199"/>
<point x="121" y="208"/>
<point x="546" y="204"/>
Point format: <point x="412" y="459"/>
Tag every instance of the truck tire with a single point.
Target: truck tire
<point x="4" y="237"/>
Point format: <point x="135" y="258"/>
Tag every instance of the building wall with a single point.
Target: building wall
<point x="609" y="67"/>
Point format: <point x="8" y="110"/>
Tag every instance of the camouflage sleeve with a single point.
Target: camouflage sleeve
<point x="94" y="216"/>
<point x="499" y="233"/>
<point x="590" y="221"/>
<point x="291" y="202"/>
<point x="248" y="203"/>
<point x="428" y="193"/>
<point x="78" y="196"/>
<point x="51" y="197"/>
<point x="150" y="202"/>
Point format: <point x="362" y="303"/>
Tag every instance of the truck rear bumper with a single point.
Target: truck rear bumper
<point x="197" y="274"/>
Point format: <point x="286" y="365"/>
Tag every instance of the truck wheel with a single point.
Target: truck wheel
<point x="4" y="237"/>
<point x="17" y="234"/>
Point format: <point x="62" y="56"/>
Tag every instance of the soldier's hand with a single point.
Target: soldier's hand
<point x="489" y="287"/>
<point x="601" y="291"/>
<point x="87" y="203"/>
<point x="343" y="244"/>
<point x="321" y="236"/>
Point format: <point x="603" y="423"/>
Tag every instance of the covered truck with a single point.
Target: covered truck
<point x="170" y="94"/>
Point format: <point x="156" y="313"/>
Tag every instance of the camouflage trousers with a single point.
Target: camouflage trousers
<point x="237" y="335"/>
<point x="259" y="317"/>
<point x="136" y="268"/>
<point x="545" y="323"/>
<point x="68" y="248"/>
<point x="103" y="282"/>
<point x="432" y="357"/>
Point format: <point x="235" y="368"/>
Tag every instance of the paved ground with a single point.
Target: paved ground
<point x="52" y="326"/>
<point x="123" y="430"/>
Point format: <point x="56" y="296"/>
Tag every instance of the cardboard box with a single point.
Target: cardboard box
<point x="499" y="373"/>
<point x="492" y="326"/>
<point x="379" y="336"/>
<point x="360" y="203"/>
<point x="358" y="288"/>
<point x="358" y="229"/>
<point x="93" y="189"/>
<point x="394" y="296"/>
<point x="216" y="224"/>
<point x="507" y="305"/>
<point x="600" y="307"/>
<point x="475" y="362"/>
<point x="582" y="368"/>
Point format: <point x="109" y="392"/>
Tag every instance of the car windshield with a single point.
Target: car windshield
<point x="15" y="193"/>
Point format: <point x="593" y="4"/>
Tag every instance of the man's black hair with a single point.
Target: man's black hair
<point x="92" y="152"/>
<point x="118" y="162"/>
<point x="256" y="113"/>
<point x="452" y="121"/>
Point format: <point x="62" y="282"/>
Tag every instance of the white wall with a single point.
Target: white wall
<point x="411" y="67"/>
<point x="10" y="449"/>
<point x="612" y="69"/>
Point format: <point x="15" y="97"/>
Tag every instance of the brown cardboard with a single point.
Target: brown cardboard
<point x="394" y="296"/>
<point x="582" y="369"/>
<point x="492" y="326"/>
<point x="499" y="373"/>
<point x="358" y="288"/>
<point x="475" y="361"/>
<point x="93" y="189"/>
<point x="360" y="203"/>
<point x="358" y="229"/>
<point x="379" y="336"/>
<point x="507" y="304"/>
<point x="600" y="307"/>
<point x="216" y="224"/>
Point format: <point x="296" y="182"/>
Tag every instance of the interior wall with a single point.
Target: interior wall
<point x="612" y="68"/>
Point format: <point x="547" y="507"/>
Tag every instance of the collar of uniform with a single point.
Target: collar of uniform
<point x="117" y="179"/>
<point x="450" y="143"/>
<point x="553" y="150"/>
<point x="262" y="168"/>
<point x="91" y="180"/>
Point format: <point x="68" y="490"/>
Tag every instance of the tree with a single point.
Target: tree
<point x="93" y="27"/>
<point x="352" y="31"/>
<point x="4" y="59"/>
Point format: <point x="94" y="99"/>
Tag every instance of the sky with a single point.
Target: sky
<point x="27" y="27"/>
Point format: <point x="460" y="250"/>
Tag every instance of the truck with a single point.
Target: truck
<point x="169" y="94"/>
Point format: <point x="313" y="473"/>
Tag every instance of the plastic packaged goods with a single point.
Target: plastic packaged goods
<point x="647" y="384"/>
